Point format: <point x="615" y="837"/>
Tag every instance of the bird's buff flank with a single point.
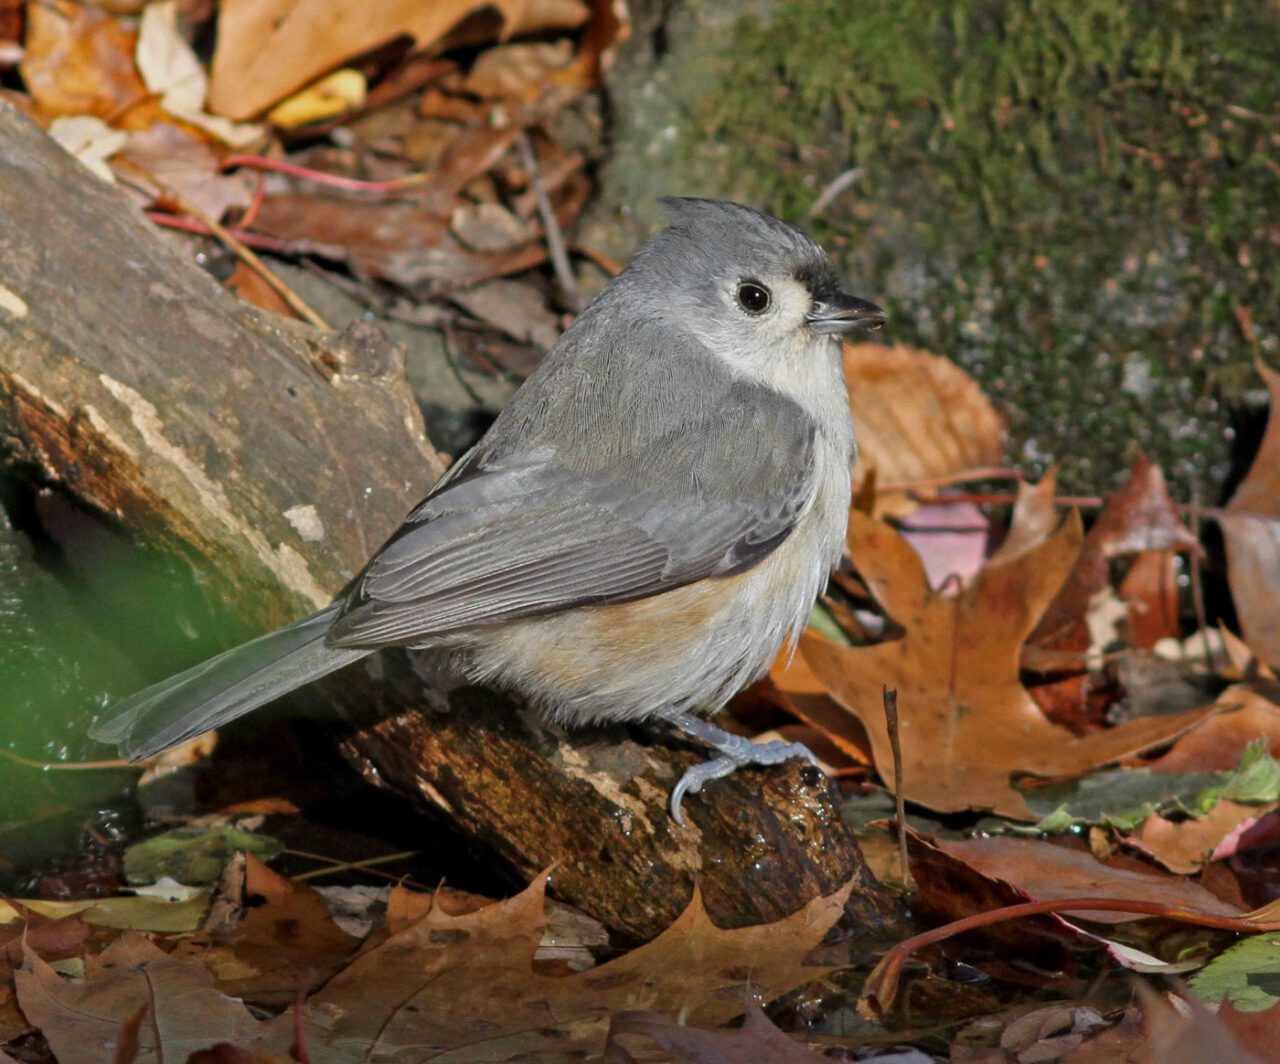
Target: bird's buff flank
<point x="644" y="526"/>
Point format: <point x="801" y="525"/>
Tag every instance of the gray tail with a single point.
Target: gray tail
<point x="223" y="688"/>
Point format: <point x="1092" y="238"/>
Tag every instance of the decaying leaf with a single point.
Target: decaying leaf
<point x="1251" y="526"/>
<point x="758" y="1040"/>
<point x="82" y="1018"/>
<point x="1039" y="870"/>
<point x="269" y="48"/>
<point x="79" y="61"/>
<point x="431" y="984"/>
<point x="967" y="723"/>
<point x="1139" y="517"/>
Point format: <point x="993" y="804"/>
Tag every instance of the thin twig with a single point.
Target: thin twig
<point x="890" y="695"/>
<point x="551" y="227"/>
<point x="834" y="189"/>
<point x="446" y="340"/>
<point x="369" y="864"/>
<point x="881" y="986"/>
<point x="67" y="766"/>
<point x="1197" y="586"/>
<point x="319" y="177"/>
<point x="242" y="251"/>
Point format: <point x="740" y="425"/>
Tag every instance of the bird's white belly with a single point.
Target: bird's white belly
<point x="690" y="648"/>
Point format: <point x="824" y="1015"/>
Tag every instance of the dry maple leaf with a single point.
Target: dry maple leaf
<point x="465" y="982"/>
<point x="455" y="987"/>
<point x="1251" y="526"/>
<point x="967" y="723"/>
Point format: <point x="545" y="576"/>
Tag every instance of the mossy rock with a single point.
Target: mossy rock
<point x="1073" y="198"/>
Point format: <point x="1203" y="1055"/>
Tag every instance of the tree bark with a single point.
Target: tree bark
<point x="275" y="459"/>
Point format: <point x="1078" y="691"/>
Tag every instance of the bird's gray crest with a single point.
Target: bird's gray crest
<point x="735" y="233"/>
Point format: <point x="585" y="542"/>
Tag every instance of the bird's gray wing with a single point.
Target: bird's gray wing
<point x="523" y="534"/>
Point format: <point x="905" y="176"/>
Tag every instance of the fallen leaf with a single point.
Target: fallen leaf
<point x="172" y="72"/>
<point x="1039" y="870"/>
<point x="1246" y="974"/>
<point x="1188" y="1035"/>
<point x="806" y="697"/>
<point x="517" y="70"/>
<point x="1150" y="591"/>
<point x="1251" y="528"/>
<point x="287" y="941"/>
<point x="79" y="61"/>
<point x="951" y="539"/>
<point x="918" y="416"/>
<point x="1186" y="846"/>
<point x="1035" y="519"/>
<point x="90" y="140"/>
<point x="758" y="1040"/>
<point x="466" y="981"/>
<point x="1242" y="716"/>
<point x="267" y="49"/>
<point x="335" y="94"/>
<point x="1139" y="517"/>
<point x="82" y="1018"/>
<point x="168" y="159"/>
<point x="1257" y="1032"/>
<point x="138" y="914"/>
<point x="967" y="723"/>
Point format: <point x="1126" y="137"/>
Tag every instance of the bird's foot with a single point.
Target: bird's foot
<point x="734" y="750"/>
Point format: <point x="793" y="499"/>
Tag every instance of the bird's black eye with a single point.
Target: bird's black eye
<point x="753" y="297"/>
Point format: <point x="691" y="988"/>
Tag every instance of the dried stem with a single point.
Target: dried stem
<point x="555" y="238"/>
<point x="890" y="695"/>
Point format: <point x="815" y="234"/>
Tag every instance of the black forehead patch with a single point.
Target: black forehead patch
<point x="817" y="274"/>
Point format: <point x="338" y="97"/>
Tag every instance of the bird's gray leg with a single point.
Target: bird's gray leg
<point x="734" y="750"/>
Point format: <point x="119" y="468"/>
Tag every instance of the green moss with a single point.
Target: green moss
<point x="1073" y="198"/>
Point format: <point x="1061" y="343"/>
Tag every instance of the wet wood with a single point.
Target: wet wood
<point x="275" y="459"/>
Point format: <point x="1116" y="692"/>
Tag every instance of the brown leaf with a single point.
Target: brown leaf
<point x="1044" y="871"/>
<point x="286" y="943"/>
<point x="82" y="1018"/>
<point x="1257" y="1032"/>
<point x="1035" y="519"/>
<point x="967" y="723"/>
<point x="466" y="982"/>
<point x="79" y="60"/>
<point x="758" y="1040"/>
<point x="1139" y="517"/>
<point x="1150" y="591"/>
<point x="1215" y="745"/>
<point x="1251" y="527"/>
<point x="1186" y="846"/>
<point x="170" y="159"/>
<point x="269" y="48"/>
<point x="917" y="416"/>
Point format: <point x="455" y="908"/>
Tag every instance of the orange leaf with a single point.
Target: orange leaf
<point x="967" y="723"/>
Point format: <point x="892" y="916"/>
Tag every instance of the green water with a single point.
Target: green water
<point x="85" y="618"/>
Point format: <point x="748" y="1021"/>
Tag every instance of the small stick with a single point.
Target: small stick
<point x="1197" y="585"/>
<point x="242" y="251"/>
<point x="555" y="238"/>
<point x="319" y="177"/>
<point x="890" y="695"/>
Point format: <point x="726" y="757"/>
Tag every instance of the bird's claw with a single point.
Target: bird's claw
<point x="735" y="751"/>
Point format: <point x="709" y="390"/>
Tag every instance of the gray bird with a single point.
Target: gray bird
<point x="643" y="527"/>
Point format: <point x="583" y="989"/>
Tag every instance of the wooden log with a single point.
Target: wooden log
<point x="275" y="459"/>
